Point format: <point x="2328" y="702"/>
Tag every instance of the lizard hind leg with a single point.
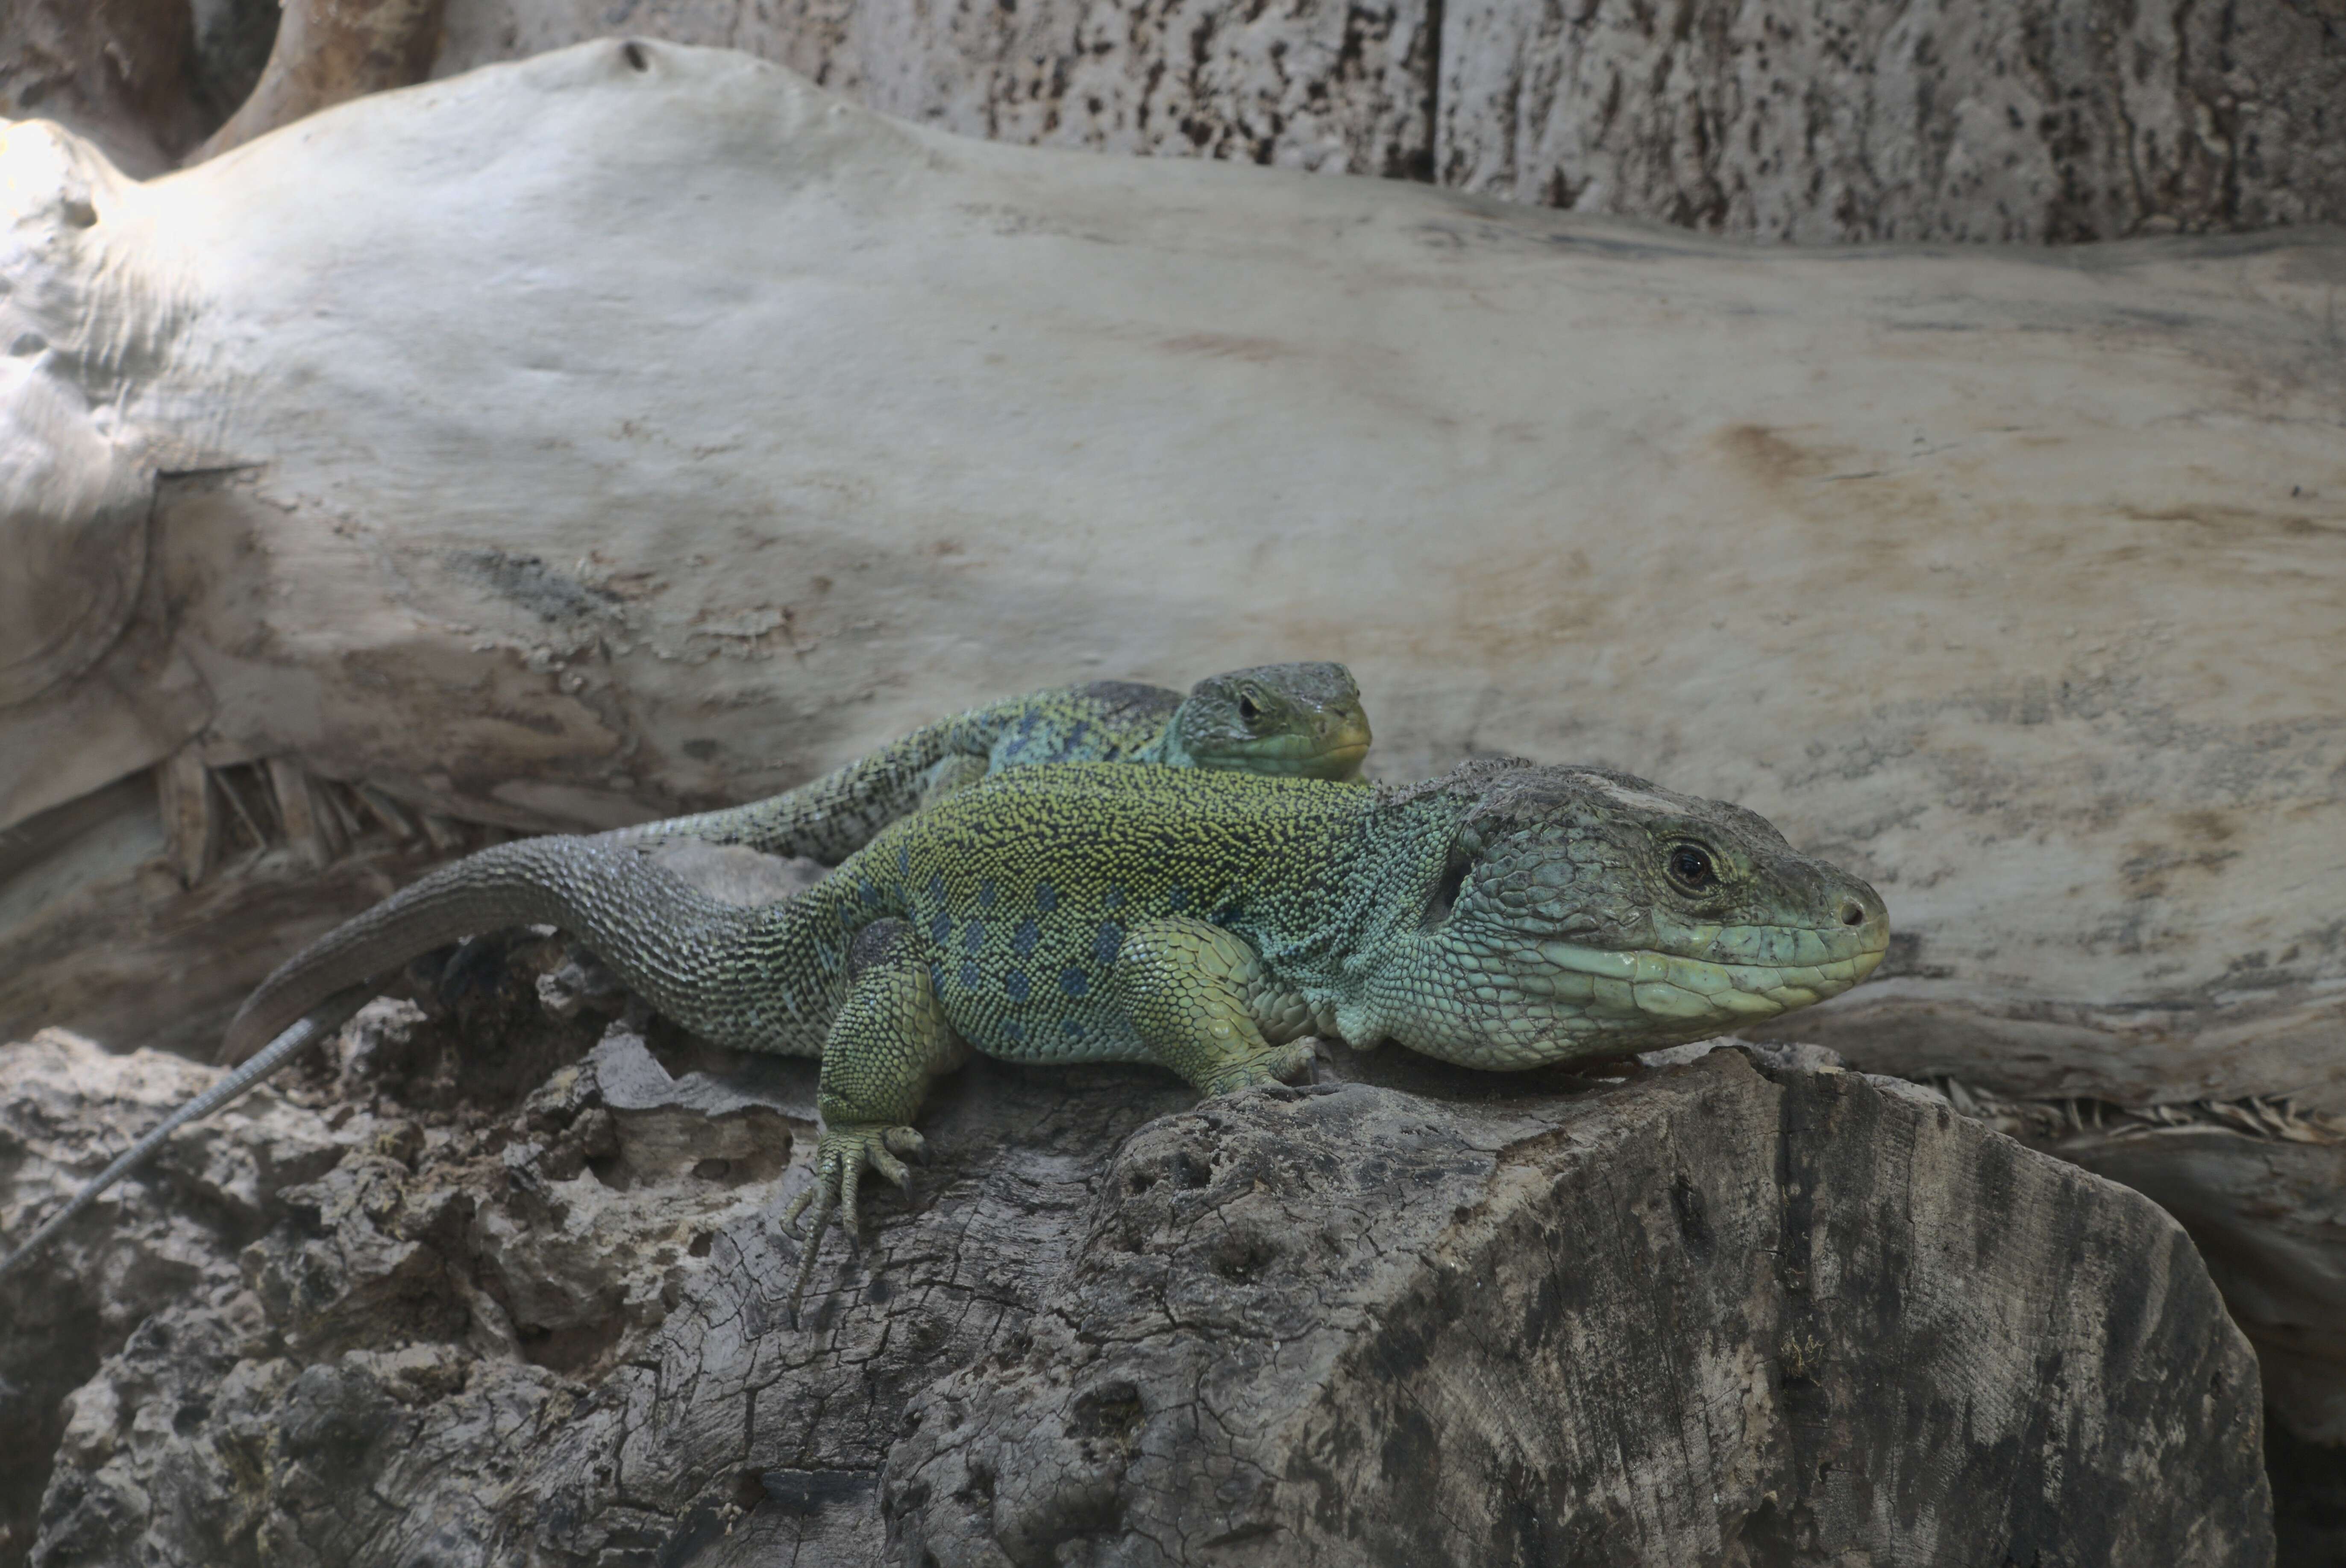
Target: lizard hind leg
<point x="889" y="1038"/>
<point x="1184" y="985"/>
<point x="956" y="772"/>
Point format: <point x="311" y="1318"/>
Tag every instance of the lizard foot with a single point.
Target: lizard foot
<point x="840" y="1157"/>
<point x="1284" y="1065"/>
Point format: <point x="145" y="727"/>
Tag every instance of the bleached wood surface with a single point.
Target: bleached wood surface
<point x="630" y="429"/>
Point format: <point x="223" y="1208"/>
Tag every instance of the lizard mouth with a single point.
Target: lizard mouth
<point x="1339" y="753"/>
<point x="1663" y="985"/>
<point x="1337" y="758"/>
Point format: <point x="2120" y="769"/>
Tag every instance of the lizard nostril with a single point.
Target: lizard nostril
<point x="1852" y="913"/>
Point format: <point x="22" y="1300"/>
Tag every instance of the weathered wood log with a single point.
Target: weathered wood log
<point x="2001" y="576"/>
<point x="1723" y="1311"/>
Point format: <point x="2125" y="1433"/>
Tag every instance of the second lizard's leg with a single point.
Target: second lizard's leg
<point x="888" y="1039"/>
<point x="1184" y="983"/>
<point x="955" y="772"/>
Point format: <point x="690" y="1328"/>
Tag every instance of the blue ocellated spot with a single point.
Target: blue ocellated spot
<point x="1177" y="898"/>
<point x="1070" y="1029"/>
<point x="936" y="888"/>
<point x="1022" y="940"/>
<point x="1074" y="982"/>
<point x="1114" y="897"/>
<point x="1014" y="985"/>
<point x="969" y="976"/>
<point x="1047" y="897"/>
<point x="941" y="927"/>
<point x="904" y="860"/>
<point x="985" y="894"/>
<point x="1013" y="1031"/>
<point x="1106" y="940"/>
<point x="972" y="936"/>
<point x="868" y="888"/>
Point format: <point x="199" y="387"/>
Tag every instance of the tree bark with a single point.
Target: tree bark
<point x="1818" y="121"/>
<point x="328" y="52"/>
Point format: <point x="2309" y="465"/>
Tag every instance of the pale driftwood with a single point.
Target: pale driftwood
<point x="2001" y="576"/>
<point x="1791" y="1314"/>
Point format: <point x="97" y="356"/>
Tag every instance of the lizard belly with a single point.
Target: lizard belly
<point x="1033" y="1010"/>
<point x="1044" y="1004"/>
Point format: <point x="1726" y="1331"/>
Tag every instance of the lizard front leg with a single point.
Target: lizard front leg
<point x="889" y="1038"/>
<point x="1184" y="985"/>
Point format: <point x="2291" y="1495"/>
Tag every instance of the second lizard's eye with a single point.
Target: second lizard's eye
<point x="1249" y="708"/>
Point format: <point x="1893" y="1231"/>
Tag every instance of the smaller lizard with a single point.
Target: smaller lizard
<point x="1300" y="719"/>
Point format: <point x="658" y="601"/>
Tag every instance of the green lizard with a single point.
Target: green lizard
<point x="1300" y="718"/>
<point x="1506" y="916"/>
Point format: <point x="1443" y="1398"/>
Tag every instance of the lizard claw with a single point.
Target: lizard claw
<point x="839" y="1160"/>
<point x="1284" y="1065"/>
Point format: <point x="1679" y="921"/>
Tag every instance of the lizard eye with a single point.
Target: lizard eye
<point x="1690" y="867"/>
<point x="1249" y="708"/>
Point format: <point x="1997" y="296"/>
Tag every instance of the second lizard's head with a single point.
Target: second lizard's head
<point x="1301" y="719"/>
<point x="1576" y="912"/>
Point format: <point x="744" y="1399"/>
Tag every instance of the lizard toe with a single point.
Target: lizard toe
<point x="1284" y="1065"/>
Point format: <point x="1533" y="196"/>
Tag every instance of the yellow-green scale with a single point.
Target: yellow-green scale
<point x="1024" y="954"/>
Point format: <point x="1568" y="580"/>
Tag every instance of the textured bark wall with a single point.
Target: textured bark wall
<point x="1303" y="83"/>
<point x="1815" y="120"/>
<point x="1807" y="121"/>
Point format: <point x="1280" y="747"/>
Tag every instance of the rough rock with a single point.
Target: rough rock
<point x="1740" y="1306"/>
<point x="66" y="1108"/>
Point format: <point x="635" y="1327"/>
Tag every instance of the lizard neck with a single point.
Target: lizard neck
<point x="1168" y="749"/>
<point x="1351" y="910"/>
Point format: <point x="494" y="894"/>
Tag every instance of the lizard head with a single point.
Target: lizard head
<point x="1301" y="719"/>
<point x="1578" y="913"/>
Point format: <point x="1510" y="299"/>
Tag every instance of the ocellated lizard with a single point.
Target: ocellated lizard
<point x="1506" y="916"/>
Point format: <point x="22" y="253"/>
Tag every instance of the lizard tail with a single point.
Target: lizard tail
<point x="757" y="979"/>
<point x="764" y="978"/>
<point x="308" y="1030"/>
<point x="839" y="813"/>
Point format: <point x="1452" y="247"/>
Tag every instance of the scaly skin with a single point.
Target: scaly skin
<point x="1505" y="917"/>
<point x="1304" y="719"/>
